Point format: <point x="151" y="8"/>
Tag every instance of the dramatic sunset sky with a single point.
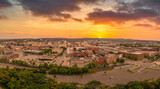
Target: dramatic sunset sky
<point x="129" y="19"/>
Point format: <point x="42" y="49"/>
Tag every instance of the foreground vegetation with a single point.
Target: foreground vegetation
<point x="29" y="79"/>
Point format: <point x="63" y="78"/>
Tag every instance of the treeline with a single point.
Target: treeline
<point x="20" y="62"/>
<point x="55" y="69"/>
<point x="4" y="60"/>
<point x="47" y="51"/>
<point x="64" y="48"/>
<point x="28" y="79"/>
<point x="64" y="70"/>
<point x="130" y="85"/>
<point x="16" y="62"/>
<point x="59" y="69"/>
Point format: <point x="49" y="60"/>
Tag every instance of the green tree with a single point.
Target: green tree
<point x="119" y="86"/>
<point x="122" y="61"/>
<point x="93" y="85"/>
<point x="92" y="65"/>
<point x="134" y="85"/>
<point x="148" y="85"/>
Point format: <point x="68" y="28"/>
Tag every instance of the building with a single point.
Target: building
<point x="150" y="53"/>
<point x="80" y="60"/>
<point x="32" y="51"/>
<point x="9" y="56"/>
<point x="112" y="57"/>
<point x="46" y="58"/>
<point x="133" y="55"/>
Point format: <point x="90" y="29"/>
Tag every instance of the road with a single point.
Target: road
<point x="63" y="60"/>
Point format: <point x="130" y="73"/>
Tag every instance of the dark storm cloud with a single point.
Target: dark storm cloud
<point x="154" y="4"/>
<point x="110" y="17"/>
<point x="136" y="4"/>
<point x="54" y="9"/>
<point x="4" y="3"/>
<point x="128" y="11"/>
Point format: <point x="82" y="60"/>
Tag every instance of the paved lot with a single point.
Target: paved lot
<point x="120" y="75"/>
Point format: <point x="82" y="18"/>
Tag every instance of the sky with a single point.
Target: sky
<point x="128" y="19"/>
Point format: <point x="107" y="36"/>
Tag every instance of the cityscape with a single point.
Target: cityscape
<point x="79" y="44"/>
<point x="110" y="61"/>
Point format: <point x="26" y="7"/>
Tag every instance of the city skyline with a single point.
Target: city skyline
<point x="128" y="19"/>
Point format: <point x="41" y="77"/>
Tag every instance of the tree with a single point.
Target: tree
<point x="119" y="86"/>
<point x="20" y="62"/>
<point x="122" y="61"/>
<point x="43" y="70"/>
<point x="84" y="69"/>
<point x="92" y="65"/>
<point x="93" y="85"/>
<point x="74" y="49"/>
<point x="52" y="84"/>
<point x="53" y="70"/>
<point x="147" y="85"/>
<point x="13" y="83"/>
<point x="4" y="60"/>
<point x="75" y="69"/>
<point x="118" y="60"/>
<point x="134" y="85"/>
<point x="46" y="51"/>
<point x="114" y="63"/>
<point x="64" y="85"/>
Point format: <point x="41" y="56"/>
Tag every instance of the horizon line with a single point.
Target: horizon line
<point x="75" y="38"/>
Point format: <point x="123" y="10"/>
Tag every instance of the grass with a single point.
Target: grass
<point x="97" y="70"/>
<point x="92" y="72"/>
<point x="110" y="69"/>
<point x="130" y="71"/>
